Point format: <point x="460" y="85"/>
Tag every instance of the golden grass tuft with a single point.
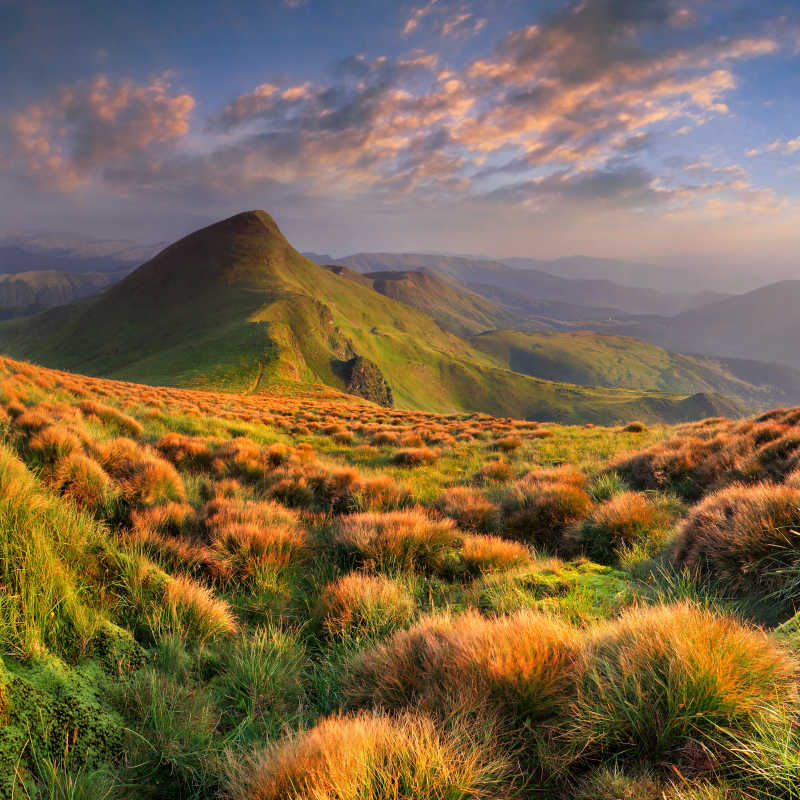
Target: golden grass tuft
<point x="415" y="456"/>
<point x="661" y="677"/>
<point x="80" y="478"/>
<point x="200" y="614"/>
<point x="370" y="757"/>
<point x="540" y="512"/>
<point x="481" y="554"/>
<point x="745" y="536"/>
<point x="470" y="508"/>
<point x="364" y="605"/>
<point x="522" y="667"/>
<point x="624" y="521"/>
<point x="396" y="540"/>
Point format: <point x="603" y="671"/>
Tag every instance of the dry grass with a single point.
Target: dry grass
<point x="663" y="677"/>
<point x="745" y="536"/>
<point x="470" y="508"/>
<point x="201" y="615"/>
<point x="369" y="757"/>
<point x="364" y="605"/>
<point x="415" y="456"/>
<point x="625" y="521"/>
<point x="540" y="512"/>
<point x="481" y="554"/>
<point x="522" y="666"/>
<point x="85" y="482"/>
<point x="397" y="540"/>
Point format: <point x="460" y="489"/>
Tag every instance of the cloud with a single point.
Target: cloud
<point x="66" y="139"/>
<point x="555" y="115"/>
<point x="416" y="16"/>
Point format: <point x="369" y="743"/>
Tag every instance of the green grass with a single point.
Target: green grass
<point x="569" y="679"/>
<point x="234" y="307"/>
<point x="595" y="359"/>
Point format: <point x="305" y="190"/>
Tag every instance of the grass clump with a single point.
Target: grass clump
<point x="359" y="605"/>
<point x="539" y="512"/>
<point x="370" y="757"/>
<point x="663" y="678"/>
<point x="747" y="538"/>
<point x="627" y="521"/>
<point x="405" y="541"/>
<point x="522" y="667"/>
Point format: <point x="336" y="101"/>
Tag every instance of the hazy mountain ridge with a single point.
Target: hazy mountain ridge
<point x="762" y="325"/>
<point x="234" y="306"/>
<point x="532" y="283"/>
<point x="30" y="292"/>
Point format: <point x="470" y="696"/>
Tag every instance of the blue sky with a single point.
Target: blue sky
<point x="663" y="130"/>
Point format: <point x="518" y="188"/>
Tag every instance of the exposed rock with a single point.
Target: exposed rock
<point x="364" y="378"/>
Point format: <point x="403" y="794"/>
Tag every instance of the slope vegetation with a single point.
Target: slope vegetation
<point x="592" y="359"/>
<point x="234" y="306"/>
<point x="293" y="596"/>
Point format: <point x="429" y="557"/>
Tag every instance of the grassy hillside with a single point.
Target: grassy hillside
<point x="591" y="359"/>
<point x="455" y="308"/>
<point x="763" y="324"/>
<point x="291" y="596"/>
<point x="235" y="307"/>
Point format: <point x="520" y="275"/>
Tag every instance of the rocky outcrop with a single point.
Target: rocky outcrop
<point x="364" y="378"/>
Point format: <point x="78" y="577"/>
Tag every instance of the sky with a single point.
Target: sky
<point x="659" y="130"/>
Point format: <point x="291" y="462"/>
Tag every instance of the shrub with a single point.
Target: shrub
<point x="481" y="554"/>
<point x="470" y="508"/>
<point x="626" y="520"/>
<point x="397" y="540"/>
<point x="364" y="605"/>
<point x="635" y="427"/>
<point x="522" y="667"/>
<point x="369" y="757"/>
<point x="539" y="513"/>
<point x="415" y="456"/>
<point x="662" y="677"/>
<point x="746" y="536"/>
<point x="508" y="444"/>
<point x="85" y="482"/>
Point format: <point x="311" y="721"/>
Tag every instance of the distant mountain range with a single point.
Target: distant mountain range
<point x="30" y="292"/>
<point x="64" y="253"/>
<point x="234" y="306"/>
<point x="531" y="283"/>
<point x="763" y="324"/>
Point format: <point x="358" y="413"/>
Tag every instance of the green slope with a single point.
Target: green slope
<point x="455" y="308"/>
<point x="590" y="359"/>
<point x="234" y="307"/>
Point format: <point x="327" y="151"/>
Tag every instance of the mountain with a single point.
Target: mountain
<point x="235" y="307"/>
<point x="763" y="324"/>
<point x="531" y="283"/>
<point x="629" y="273"/>
<point x="454" y="307"/>
<point x="71" y="254"/>
<point x="30" y="292"/>
<point x="592" y="359"/>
